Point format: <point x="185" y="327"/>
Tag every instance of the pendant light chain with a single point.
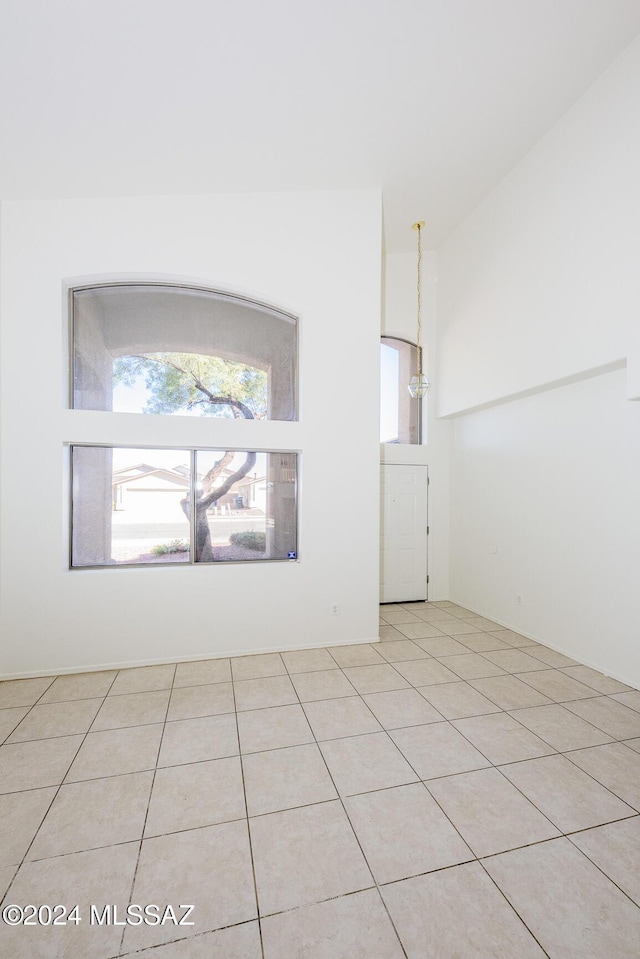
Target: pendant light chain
<point x="419" y="384"/>
<point x="418" y="227"/>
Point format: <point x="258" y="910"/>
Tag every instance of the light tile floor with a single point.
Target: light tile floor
<point x="453" y="791"/>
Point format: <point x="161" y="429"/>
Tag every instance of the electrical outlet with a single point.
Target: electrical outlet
<point x="334" y="609"/>
<point x="519" y="601"/>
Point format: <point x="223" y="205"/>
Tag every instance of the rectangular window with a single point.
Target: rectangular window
<point x="151" y="506"/>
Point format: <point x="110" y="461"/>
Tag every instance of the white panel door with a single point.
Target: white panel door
<point x="403" y="525"/>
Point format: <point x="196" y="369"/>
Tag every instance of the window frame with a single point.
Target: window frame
<point x="232" y="444"/>
<point x="192" y="562"/>
<point x="195" y="287"/>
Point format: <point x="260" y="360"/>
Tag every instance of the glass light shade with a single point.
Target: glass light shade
<point x="418" y="385"/>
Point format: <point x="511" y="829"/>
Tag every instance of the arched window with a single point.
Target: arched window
<point x="400" y="414"/>
<point x="163" y="349"/>
<point x="169" y="350"/>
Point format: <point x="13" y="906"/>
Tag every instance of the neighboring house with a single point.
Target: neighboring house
<point x="253" y="493"/>
<point x="249" y="493"/>
<point x="145" y="493"/>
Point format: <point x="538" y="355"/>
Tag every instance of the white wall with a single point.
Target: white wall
<point x="314" y="254"/>
<point x="541" y="282"/>
<point x="399" y="319"/>
<point x="540" y="287"/>
<point x="551" y="482"/>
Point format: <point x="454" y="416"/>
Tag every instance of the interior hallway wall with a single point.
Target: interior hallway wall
<point x="546" y="506"/>
<point x="316" y="255"/>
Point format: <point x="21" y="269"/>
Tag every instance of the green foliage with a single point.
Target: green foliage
<point x="179" y="382"/>
<point x="174" y="546"/>
<point x="250" y="540"/>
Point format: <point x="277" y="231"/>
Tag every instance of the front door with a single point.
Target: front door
<point x="403" y="525"/>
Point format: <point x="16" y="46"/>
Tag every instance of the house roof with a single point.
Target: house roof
<point x="142" y="470"/>
<point x="179" y="474"/>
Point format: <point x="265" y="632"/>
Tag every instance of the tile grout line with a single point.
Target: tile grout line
<point x="422" y="782"/>
<point x="28" y="708"/>
<point x="561" y="705"/>
<point x="57" y="789"/>
<point x="318" y="743"/>
<point x="594" y="863"/>
<point x="247" y="818"/>
<point x="146" y="816"/>
<point x="564" y="834"/>
<point x="597" y="694"/>
<point x="615" y="743"/>
<point x="511" y="906"/>
<point x="355" y="835"/>
<point x="556" y="752"/>
<point x="492" y="766"/>
<point x="528" y="845"/>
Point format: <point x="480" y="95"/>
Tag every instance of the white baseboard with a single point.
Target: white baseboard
<point x="204" y="655"/>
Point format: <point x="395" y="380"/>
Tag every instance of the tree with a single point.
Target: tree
<point x="181" y="382"/>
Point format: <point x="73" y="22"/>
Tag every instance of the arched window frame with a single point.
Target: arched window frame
<point x="409" y="409"/>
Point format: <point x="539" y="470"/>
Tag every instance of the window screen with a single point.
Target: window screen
<point x="170" y="350"/>
<point x="158" y="506"/>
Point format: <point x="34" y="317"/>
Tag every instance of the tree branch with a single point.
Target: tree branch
<point x="204" y="502"/>
<point x="236" y="405"/>
<point x="216" y="469"/>
<point x="239" y="409"/>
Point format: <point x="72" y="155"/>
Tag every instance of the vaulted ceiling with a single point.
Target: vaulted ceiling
<point x="431" y="100"/>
